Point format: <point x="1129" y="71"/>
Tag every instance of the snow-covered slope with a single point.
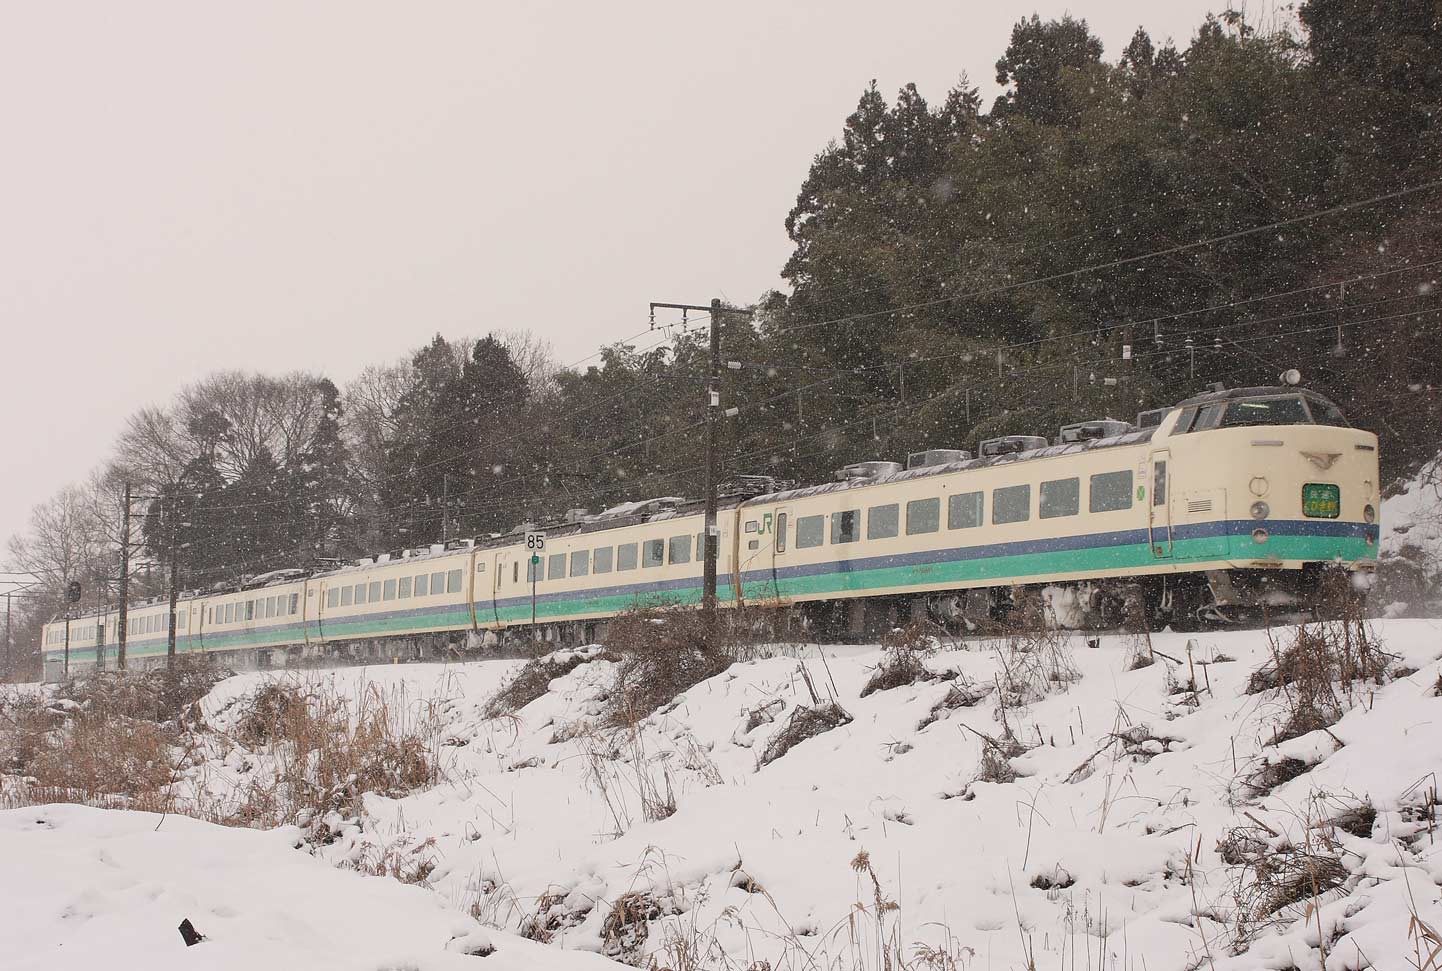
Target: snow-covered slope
<point x="1123" y="838"/>
<point x="1106" y="844"/>
<point x="84" y="888"/>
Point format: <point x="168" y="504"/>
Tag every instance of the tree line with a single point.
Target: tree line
<point x="1253" y="201"/>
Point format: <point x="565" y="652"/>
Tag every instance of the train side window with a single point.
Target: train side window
<point x="360" y="593"/>
<point x="346" y="596"/>
<point x="626" y="556"/>
<point x="810" y="531"/>
<point x="453" y="581"/>
<point x="229" y="614"/>
<point x="294" y="603"/>
<point x="1110" y="491"/>
<point x="1011" y="504"/>
<point x="846" y="526"/>
<point x="1159" y="483"/>
<point x="1060" y="497"/>
<point x="422" y="586"/>
<point x="882" y="522"/>
<point x="680" y="551"/>
<point x="963" y="510"/>
<point x="556" y="566"/>
<point x="923" y="516"/>
<point x="1208" y="417"/>
<point x="653" y="552"/>
<point x="250" y="610"/>
<point x="388" y="590"/>
<point x="515" y="572"/>
<point x="269" y="607"/>
<point x="601" y="559"/>
<point x="781" y="532"/>
<point x="438" y="583"/>
<point x="580" y="563"/>
<point x="332" y="598"/>
<point x="1325" y="413"/>
<point x="373" y="591"/>
<point x="1184" y="420"/>
<point x="403" y="588"/>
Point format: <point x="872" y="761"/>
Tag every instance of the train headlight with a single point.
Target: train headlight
<point x="1260" y="510"/>
<point x="1369" y="513"/>
<point x="1259" y="535"/>
<point x="1258" y="485"/>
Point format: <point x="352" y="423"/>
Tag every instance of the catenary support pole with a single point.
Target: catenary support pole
<point x="174" y="532"/>
<point x="121" y="624"/>
<point x="713" y="466"/>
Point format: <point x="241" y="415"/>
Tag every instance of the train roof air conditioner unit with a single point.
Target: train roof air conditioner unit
<point x="1010" y="445"/>
<point x="866" y="470"/>
<point x="936" y="456"/>
<point x="1086" y="431"/>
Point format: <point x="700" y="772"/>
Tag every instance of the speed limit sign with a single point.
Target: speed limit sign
<point x="535" y="543"/>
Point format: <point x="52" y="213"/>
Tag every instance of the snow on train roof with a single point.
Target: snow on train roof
<point x="1050" y="451"/>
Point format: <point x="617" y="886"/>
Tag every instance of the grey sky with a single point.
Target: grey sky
<point x="278" y="185"/>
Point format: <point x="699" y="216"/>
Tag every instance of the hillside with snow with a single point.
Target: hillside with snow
<point x="1037" y="801"/>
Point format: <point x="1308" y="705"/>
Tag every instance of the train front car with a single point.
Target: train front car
<point x="1270" y="492"/>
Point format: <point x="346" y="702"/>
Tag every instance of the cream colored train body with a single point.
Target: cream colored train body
<point x="1233" y="502"/>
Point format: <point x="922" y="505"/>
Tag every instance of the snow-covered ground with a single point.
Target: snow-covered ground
<point x="1103" y="849"/>
<point x="84" y="888"/>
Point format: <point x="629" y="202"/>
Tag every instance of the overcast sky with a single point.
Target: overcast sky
<point x="277" y="185"/>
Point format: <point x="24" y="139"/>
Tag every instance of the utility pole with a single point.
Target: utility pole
<point x="120" y="623"/>
<point x="174" y="535"/>
<point x="713" y="456"/>
<point x="713" y="467"/>
<point x="445" y="507"/>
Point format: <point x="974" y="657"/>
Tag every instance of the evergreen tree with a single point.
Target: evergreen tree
<point x="1034" y="66"/>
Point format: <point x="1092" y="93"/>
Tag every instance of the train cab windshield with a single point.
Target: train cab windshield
<point x="1301" y="408"/>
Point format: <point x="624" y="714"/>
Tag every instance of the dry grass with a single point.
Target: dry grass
<point x="26" y="723"/>
<point x="1273" y="874"/>
<point x="627" y="777"/>
<point x="161" y="696"/>
<point x="1036" y="660"/>
<point x="322" y="752"/>
<point x="804" y="723"/>
<point x="1317" y="670"/>
<point x="401" y="861"/>
<point x="902" y="663"/>
<point x="664" y="652"/>
<point x="310" y="753"/>
<point x="534" y="679"/>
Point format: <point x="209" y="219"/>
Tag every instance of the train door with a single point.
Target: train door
<point x="780" y="546"/>
<point x="506" y="582"/>
<point x="1159" y="514"/>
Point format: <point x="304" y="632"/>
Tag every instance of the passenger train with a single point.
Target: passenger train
<point x="1227" y="504"/>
